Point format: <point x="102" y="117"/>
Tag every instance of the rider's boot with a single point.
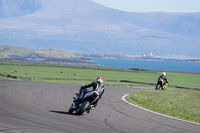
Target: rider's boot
<point x="91" y="107"/>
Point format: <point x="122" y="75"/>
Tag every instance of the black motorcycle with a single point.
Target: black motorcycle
<point x="86" y="104"/>
<point x="161" y="85"/>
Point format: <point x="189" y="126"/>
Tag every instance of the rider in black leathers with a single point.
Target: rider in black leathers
<point x="96" y="86"/>
<point x="164" y="78"/>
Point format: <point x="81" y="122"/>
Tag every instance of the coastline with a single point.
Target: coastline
<point x="157" y="65"/>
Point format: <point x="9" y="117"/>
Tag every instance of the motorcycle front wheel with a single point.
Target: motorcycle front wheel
<point x="158" y="87"/>
<point x="71" y="109"/>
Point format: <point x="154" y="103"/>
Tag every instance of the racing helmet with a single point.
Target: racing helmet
<point x="99" y="79"/>
<point x="164" y="73"/>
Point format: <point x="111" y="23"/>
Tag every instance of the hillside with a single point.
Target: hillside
<point x="85" y="26"/>
<point x="50" y="56"/>
<point x="10" y="51"/>
<point x="13" y="51"/>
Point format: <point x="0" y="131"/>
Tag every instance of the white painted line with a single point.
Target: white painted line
<point x="123" y="98"/>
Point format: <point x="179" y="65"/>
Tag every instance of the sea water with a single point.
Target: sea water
<point x="193" y="67"/>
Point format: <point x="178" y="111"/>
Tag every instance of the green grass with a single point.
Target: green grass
<point x="184" y="104"/>
<point x="181" y="103"/>
<point x="112" y="76"/>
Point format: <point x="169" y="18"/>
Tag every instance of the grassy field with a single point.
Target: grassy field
<point x="83" y="75"/>
<point x="181" y="99"/>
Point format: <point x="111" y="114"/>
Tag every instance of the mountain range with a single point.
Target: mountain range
<point x="85" y="26"/>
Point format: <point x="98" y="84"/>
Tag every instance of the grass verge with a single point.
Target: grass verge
<point x="183" y="104"/>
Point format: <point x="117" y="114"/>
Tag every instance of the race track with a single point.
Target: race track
<point x="31" y="107"/>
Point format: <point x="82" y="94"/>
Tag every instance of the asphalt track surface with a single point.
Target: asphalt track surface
<point x="31" y="107"/>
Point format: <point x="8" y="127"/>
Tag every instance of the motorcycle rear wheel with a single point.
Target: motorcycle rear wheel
<point x="83" y="108"/>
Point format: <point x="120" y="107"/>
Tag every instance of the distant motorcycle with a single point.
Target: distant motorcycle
<point x="86" y="104"/>
<point x="161" y="85"/>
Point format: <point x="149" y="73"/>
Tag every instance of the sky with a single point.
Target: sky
<point x="176" y="6"/>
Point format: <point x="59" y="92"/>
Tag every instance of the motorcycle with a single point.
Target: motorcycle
<point x="86" y="104"/>
<point x="161" y="85"/>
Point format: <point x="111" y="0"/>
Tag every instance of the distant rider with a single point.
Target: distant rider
<point x="163" y="78"/>
<point x="96" y="86"/>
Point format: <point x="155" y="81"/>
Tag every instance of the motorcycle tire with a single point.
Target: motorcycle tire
<point x="71" y="110"/>
<point x="83" y="108"/>
<point x="158" y="87"/>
